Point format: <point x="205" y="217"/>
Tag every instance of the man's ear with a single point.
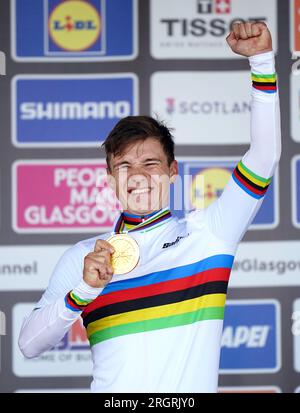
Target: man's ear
<point x="173" y="171"/>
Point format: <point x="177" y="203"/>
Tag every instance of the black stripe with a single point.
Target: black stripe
<point x="71" y="299"/>
<point x="260" y="188"/>
<point x="214" y="287"/>
<point x="75" y="304"/>
<point x="152" y="223"/>
<point x="264" y="83"/>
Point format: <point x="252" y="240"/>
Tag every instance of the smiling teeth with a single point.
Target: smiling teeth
<point x="140" y="191"/>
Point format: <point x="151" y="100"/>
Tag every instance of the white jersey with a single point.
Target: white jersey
<point x="158" y="328"/>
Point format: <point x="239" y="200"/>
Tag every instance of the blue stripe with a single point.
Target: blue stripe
<point x="70" y="307"/>
<point x="246" y="189"/>
<point x="128" y="215"/>
<point x="267" y="91"/>
<point x="216" y="261"/>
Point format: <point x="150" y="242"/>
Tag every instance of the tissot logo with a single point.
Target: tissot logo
<point x="197" y="28"/>
<point x="216" y="6"/>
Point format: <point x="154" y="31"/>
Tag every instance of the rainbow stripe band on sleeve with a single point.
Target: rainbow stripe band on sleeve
<point x="264" y="83"/>
<point x="254" y="185"/>
<point x="74" y="303"/>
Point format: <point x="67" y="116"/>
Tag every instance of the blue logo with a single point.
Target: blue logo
<point x="75" y="339"/>
<point x="215" y="176"/>
<point x="62" y="110"/>
<point x="74" y="29"/>
<point x="296" y="191"/>
<point x="251" y="337"/>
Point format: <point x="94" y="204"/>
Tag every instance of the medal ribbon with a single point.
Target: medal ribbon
<point x="138" y="222"/>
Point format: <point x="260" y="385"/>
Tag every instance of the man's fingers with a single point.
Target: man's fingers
<point x="104" y="255"/>
<point x="248" y="29"/>
<point x="258" y="28"/>
<point x="104" y="270"/>
<point x="231" y="40"/>
<point x="243" y="33"/>
<point x="236" y="30"/>
<point x="101" y="245"/>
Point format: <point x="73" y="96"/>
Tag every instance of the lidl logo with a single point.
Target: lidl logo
<point x="213" y="184"/>
<point x="251" y="337"/>
<point x="202" y="181"/>
<point x="75" y="26"/>
<point x="62" y="30"/>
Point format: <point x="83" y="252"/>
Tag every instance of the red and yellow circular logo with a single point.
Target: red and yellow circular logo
<point x="207" y="186"/>
<point x="74" y="25"/>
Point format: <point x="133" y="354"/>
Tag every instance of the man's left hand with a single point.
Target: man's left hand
<point x="249" y="39"/>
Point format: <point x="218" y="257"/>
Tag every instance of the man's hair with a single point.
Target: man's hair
<point x="138" y="128"/>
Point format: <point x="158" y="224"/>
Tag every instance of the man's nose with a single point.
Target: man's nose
<point x="138" y="178"/>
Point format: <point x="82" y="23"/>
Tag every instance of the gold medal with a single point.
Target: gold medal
<point x="126" y="255"/>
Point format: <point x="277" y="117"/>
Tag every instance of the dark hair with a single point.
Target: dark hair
<point x="138" y="128"/>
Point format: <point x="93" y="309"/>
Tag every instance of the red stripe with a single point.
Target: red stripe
<point x="215" y="274"/>
<point x="154" y="222"/>
<point x="135" y="220"/>
<point x="256" y="191"/>
<point x="72" y="304"/>
<point x="265" y="87"/>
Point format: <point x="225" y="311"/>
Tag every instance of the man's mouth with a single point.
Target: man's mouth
<point x="139" y="191"/>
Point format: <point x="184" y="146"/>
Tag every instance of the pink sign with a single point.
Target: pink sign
<point x="62" y="196"/>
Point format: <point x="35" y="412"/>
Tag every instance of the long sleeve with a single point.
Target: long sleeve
<point x="230" y="215"/>
<point x="60" y="306"/>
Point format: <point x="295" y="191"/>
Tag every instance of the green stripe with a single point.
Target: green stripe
<point x="79" y="301"/>
<point x="264" y="180"/>
<point x="264" y="76"/>
<point x="153" y="219"/>
<point x="210" y="313"/>
<point x="155" y="226"/>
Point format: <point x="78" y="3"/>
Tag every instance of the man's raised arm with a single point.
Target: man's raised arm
<point x="230" y="216"/>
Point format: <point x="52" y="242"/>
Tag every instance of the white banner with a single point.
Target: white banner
<point x="266" y="264"/>
<point x="211" y="108"/>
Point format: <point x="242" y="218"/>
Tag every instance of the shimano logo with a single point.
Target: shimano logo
<point x="74" y="110"/>
<point x="170" y="244"/>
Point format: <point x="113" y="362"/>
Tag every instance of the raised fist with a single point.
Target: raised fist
<point x="249" y="39"/>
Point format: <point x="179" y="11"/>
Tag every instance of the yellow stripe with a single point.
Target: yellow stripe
<point x="264" y="80"/>
<point x="251" y="178"/>
<point x="209" y="300"/>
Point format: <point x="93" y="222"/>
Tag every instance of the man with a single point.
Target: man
<point x="153" y="308"/>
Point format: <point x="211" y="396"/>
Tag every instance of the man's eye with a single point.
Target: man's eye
<point x="151" y="164"/>
<point x="122" y="167"/>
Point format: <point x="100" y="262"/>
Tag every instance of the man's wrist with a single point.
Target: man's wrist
<point x="263" y="63"/>
<point x="85" y="291"/>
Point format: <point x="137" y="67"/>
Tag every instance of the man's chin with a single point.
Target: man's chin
<point x="141" y="209"/>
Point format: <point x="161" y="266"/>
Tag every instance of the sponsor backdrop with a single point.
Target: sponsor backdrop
<point x="74" y="68"/>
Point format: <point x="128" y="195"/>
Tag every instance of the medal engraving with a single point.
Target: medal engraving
<point x="126" y="255"/>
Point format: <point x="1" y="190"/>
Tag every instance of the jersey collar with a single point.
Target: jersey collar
<point x="130" y="223"/>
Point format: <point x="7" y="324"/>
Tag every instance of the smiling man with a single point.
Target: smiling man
<point x="152" y="292"/>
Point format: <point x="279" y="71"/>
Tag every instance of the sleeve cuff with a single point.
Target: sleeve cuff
<point x="81" y="296"/>
<point x="263" y="63"/>
<point x="86" y="292"/>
